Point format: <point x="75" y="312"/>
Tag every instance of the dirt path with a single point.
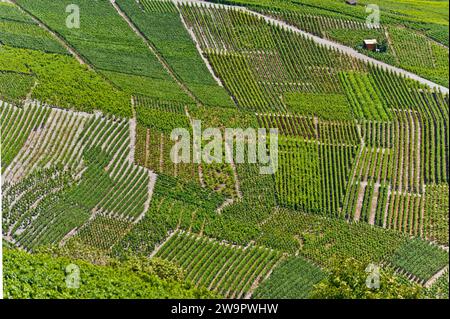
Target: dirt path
<point x="373" y="205"/>
<point x="150" y="188"/>
<point x="359" y="203"/>
<point x="327" y="43"/>
<point x="153" y="49"/>
<point x="59" y="38"/>
<point x="229" y="153"/>
<point x="391" y="46"/>
<point x="132" y="128"/>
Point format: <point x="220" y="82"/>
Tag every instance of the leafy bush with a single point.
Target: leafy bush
<point x="347" y="280"/>
<point x="39" y="276"/>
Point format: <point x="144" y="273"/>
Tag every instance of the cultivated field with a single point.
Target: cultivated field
<point x="87" y="114"/>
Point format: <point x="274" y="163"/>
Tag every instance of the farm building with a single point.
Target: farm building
<point x="351" y="2"/>
<point x="370" y="44"/>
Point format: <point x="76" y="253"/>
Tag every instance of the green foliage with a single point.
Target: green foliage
<point x="160" y="120"/>
<point x="230" y="270"/>
<point x="325" y="106"/>
<point x="28" y="36"/>
<point x="62" y="81"/>
<point x="75" y="249"/>
<point x="12" y="117"/>
<point x="165" y="30"/>
<point x="420" y="258"/>
<point x="347" y="280"/>
<point x="439" y="290"/>
<point x="9" y="11"/>
<point x="151" y="87"/>
<point x="294" y="278"/>
<point x="40" y="276"/>
<point x="106" y="41"/>
<point x="437" y="208"/>
<point x="14" y="87"/>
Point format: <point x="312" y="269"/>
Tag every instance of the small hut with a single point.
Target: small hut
<point x="351" y="2"/>
<point x="370" y="44"/>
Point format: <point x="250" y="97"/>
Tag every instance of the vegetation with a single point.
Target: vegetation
<point x="105" y="40"/>
<point x="348" y="280"/>
<point x="62" y="81"/>
<point x="295" y="278"/>
<point x="208" y="263"/>
<point x="160" y="22"/>
<point x="14" y="87"/>
<point x="41" y="276"/>
<point x="19" y="30"/>
<point x="362" y="169"/>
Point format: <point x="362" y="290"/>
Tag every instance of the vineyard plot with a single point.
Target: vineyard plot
<point x="231" y="270"/>
<point x="261" y="63"/>
<point x="294" y="278"/>
<point x="70" y="166"/>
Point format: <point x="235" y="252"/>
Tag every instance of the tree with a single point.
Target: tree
<point x="349" y="279"/>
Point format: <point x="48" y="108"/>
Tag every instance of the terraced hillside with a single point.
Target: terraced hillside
<point x="88" y="114"/>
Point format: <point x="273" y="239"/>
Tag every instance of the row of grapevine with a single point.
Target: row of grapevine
<point x="19" y="30"/>
<point x="322" y="242"/>
<point x="313" y="176"/>
<point x="142" y="101"/>
<point x="377" y="134"/>
<point x="419" y="258"/>
<point x="161" y="6"/>
<point x="93" y="173"/>
<point x="16" y="125"/>
<point x="103" y="232"/>
<point x="309" y="128"/>
<point x="363" y="97"/>
<point x="289" y="125"/>
<point x="261" y="63"/>
<point x="294" y="278"/>
<point x="436" y="213"/>
<point x="233" y="271"/>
